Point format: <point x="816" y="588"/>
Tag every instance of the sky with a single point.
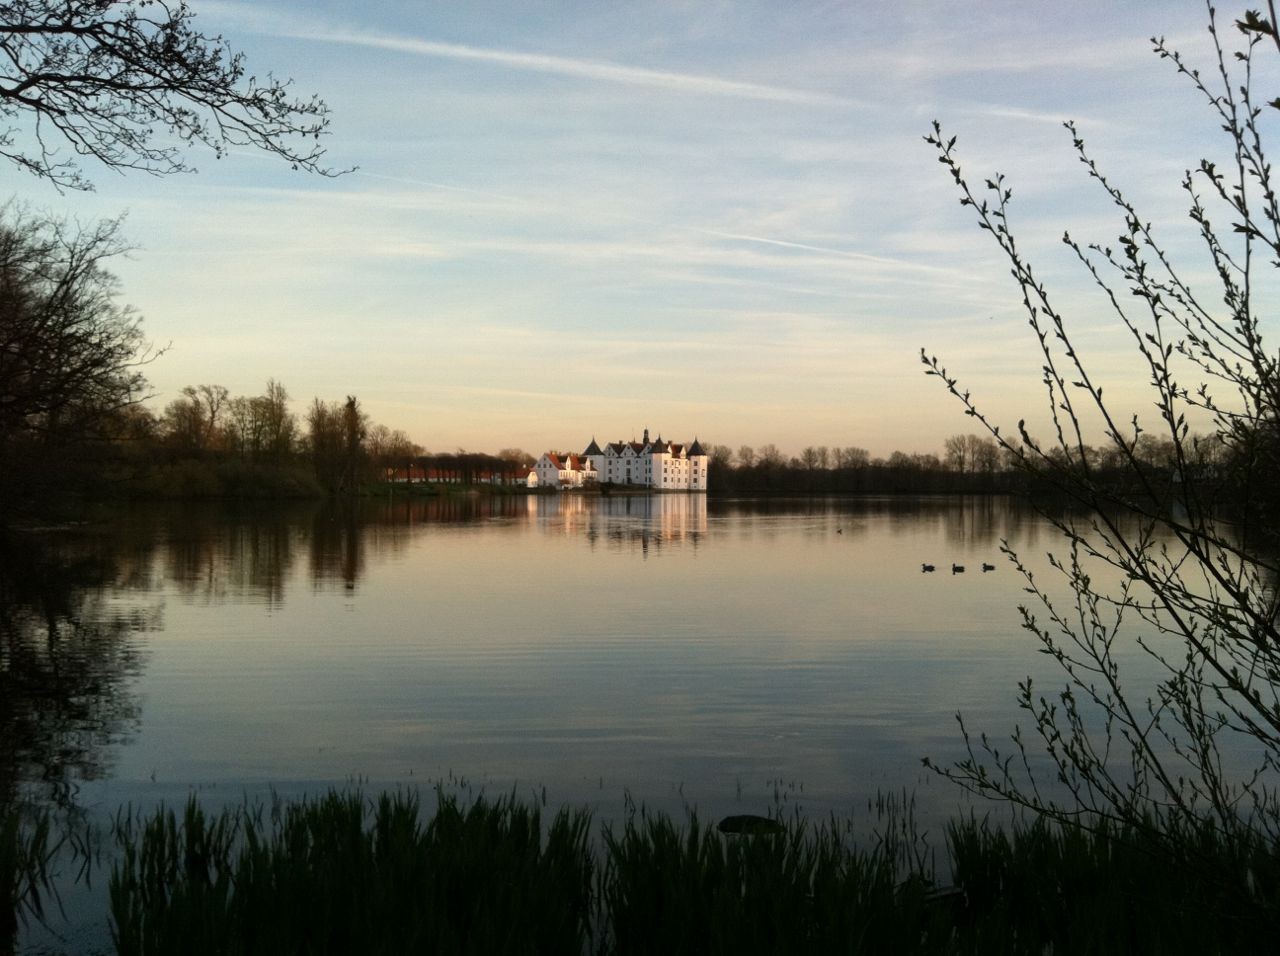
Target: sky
<point x="709" y="219"/>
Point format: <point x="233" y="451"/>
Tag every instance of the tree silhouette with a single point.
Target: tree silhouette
<point x="117" y="80"/>
<point x="1183" y="525"/>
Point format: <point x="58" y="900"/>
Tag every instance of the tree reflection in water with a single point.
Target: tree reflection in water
<point x="68" y="662"/>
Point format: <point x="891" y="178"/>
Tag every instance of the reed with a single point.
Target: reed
<point x="687" y="889"/>
<point x="1115" y="889"/>
<point x="27" y="850"/>
<point x="341" y="874"/>
<point x="346" y="873"/>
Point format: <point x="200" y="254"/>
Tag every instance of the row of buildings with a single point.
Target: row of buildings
<point x="657" y="464"/>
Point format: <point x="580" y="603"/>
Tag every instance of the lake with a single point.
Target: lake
<point x="671" y="647"/>
<point x="674" y="650"/>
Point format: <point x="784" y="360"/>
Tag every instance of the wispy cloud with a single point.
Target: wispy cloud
<point x="585" y="69"/>
<point x="600" y="70"/>
<point x="842" y="253"/>
<point x="733" y="196"/>
<point x="946" y="57"/>
<point x="1034" y="116"/>
<point x="466" y="190"/>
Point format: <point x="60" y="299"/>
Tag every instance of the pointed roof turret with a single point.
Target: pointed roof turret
<point x="696" y="449"/>
<point x="593" y="448"/>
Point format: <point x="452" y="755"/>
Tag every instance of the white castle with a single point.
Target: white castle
<point x="660" y="465"/>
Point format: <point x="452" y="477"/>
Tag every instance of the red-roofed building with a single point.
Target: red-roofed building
<point x="558" y="470"/>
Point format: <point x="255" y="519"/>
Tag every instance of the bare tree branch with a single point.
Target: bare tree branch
<point x="133" y="84"/>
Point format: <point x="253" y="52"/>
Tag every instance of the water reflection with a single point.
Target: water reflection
<point x="70" y="615"/>
<point x="69" y="656"/>
<point x="662" y="646"/>
<point x="217" y="555"/>
<point x="963" y="523"/>
<point x="211" y="554"/>
<point x="336" y="550"/>
<point x="622" y="522"/>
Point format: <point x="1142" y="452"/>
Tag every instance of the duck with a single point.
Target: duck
<point x="988" y="567"/>
<point x="926" y="568"/>
<point x="957" y="569"/>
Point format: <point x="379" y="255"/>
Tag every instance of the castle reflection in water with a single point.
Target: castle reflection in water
<point x="627" y="521"/>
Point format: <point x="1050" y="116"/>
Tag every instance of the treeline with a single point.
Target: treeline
<point x="73" y="425"/>
<point x="968" y="464"/>
<point x="852" y="470"/>
<point x="209" y="442"/>
<point x="72" y="422"/>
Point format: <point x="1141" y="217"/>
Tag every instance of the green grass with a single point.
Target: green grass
<point x="344" y="873"/>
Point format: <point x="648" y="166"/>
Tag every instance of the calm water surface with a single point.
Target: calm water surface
<point x="722" y="654"/>
<point x="672" y="648"/>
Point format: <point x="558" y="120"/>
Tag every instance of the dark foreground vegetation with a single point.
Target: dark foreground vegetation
<point x="344" y="874"/>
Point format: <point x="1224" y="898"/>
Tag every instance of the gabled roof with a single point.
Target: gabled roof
<point x="555" y="460"/>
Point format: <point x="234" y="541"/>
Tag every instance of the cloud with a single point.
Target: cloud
<point x="944" y="57"/>
<point x="1034" y="116"/>
<point x="465" y="190"/>
<point x="601" y="70"/>
<point x="846" y="254"/>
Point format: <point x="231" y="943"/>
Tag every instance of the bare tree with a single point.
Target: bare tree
<point x="243" y="429"/>
<point x="387" y="449"/>
<point x="257" y="427"/>
<point x="183" y="424"/>
<point x="279" y="426"/>
<point x="324" y="442"/>
<point x="1190" y="548"/>
<point x="984" y="454"/>
<point x="720" y="456"/>
<point x="852" y="457"/>
<point x="746" y="456"/>
<point x="770" y="456"/>
<point x="212" y="400"/>
<point x="957" y="453"/>
<point x="517" y="455"/>
<point x="70" y="353"/>
<point x="118" y="80"/>
<point x="193" y="422"/>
